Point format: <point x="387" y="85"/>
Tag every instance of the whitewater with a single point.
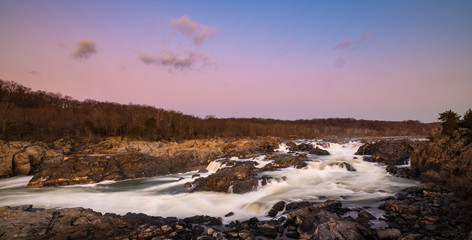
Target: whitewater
<point x="324" y="178"/>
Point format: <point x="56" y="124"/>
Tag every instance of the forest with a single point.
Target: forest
<point x="43" y="116"/>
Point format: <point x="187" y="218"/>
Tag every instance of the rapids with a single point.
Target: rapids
<point x="166" y="195"/>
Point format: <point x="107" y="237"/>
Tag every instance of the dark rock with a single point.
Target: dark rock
<point x="390" y="152"/>
<point x="366" y="216"/>
<point x="229" y="214"/>
<point x="241" y="177"/>
<point x="316" y="222"/>
<point x="92" y="169"/>
<point x="300" y="147"/>
<point x="279" y="206"/>
<point x="268" y="228"/>
<point x="195" y="175"/>
<point x="284" y="161"/>
<point x="319" y="151"/>
<point x="347" y="166"/>
<point x="389" y="233"/>
<point x="292" y="234"/>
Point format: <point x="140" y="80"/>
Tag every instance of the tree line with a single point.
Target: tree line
<point x="45" y="116"/>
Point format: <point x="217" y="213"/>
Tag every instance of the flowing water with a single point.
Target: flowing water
<point x="324" y="178"/>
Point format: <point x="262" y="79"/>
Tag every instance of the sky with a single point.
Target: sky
<point x="376" y="60"/>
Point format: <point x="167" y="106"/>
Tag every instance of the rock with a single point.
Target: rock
<point x="446" y="161"/>
<point x="390" y="152"/>
<point x="195" y="175"/>
<point x="92" y="169"/>
<point x="241" y="178"/>
<point x="346" y="165"/>
<point x="316" y="222"/>
<point x="284" y="161"/>
<point x="268" y="228"/>
<point x="392" y="233"/>
<point x="279" y="206"/>
<point x="300" y="147"/>
<point x="319" y="151"/>
<point x="229" y="214"/>
<point x="24" y="158"/>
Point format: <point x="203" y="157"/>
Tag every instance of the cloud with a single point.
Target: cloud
<point x="349" y="44"/>
<point x="170" y="59"/>
<point x="35" y="73"/>
<point x="196" y="30"/>
<point x="85" y="49"/>
<point x="365" y="37"/>
<point x="343" y="44"/>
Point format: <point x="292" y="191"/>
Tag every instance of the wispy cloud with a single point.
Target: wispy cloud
<point x="85" y="49"/>
<point x="365" y="37"/>
<point x="167" y="58"/>
<point x="343" y="44"/>
<point x="35" y="73"/>
<point x="196" y="30"/>
<point x="349" y="44"/>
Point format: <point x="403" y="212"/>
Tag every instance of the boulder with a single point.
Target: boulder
<point x="241" y="177"/>
<point x="319" y="151"/>
<point x="302" y="147"/>
<point x="389" y="152"/>
<point x="315" y="221"/>
<point x="24" y="158"/>
<point x="284" y="161"/>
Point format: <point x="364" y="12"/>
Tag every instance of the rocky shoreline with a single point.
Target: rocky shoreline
<point x="438" y="210"/>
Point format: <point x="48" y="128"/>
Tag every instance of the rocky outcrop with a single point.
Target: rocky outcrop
<point x="299" y="147"/>
<point x="117" y="159"/>
<point x="428" y="213"/>
<point x="317" y="222"/>
<point x="389" y="152"/>
<point x="239" y="178"/>
<point x="92" y="169"/>
<point x="319" y="151"/>
<point x="25" y="222"/>
<point x="25" y="158"/>
<point x="446" y="161"/>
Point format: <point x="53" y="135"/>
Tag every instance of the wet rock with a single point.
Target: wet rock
<point x="195" y="175"/>
<point x="346" y="165"/>
<point x="404" y="172"/>
<point x="284" y="161"/>
<point x="390" y="152"/>
<point x="241" y="178"/>
<point x="229" y="214"/>
<point x="300" y="147"/>
<point x="279" y="206"/>
<point x="268" y="228"/>
<point x="389" y="233"/>
<point x="92" y="169"/>
<point x="316" y="222"/>
<point x="319" y="151"/>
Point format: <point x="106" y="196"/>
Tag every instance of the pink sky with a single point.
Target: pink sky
<point x="376" y="60"/>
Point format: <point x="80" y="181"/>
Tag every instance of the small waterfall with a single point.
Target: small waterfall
<point x="214" y="166"/>
<point x="230" y="189"/>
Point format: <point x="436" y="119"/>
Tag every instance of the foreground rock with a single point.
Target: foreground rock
<point x="389" y="152"/>
<point x="429" y="213"/>
<point x="25" y="222"/>
<point x="317" y="222"/>
<point x="308" y="220"/>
